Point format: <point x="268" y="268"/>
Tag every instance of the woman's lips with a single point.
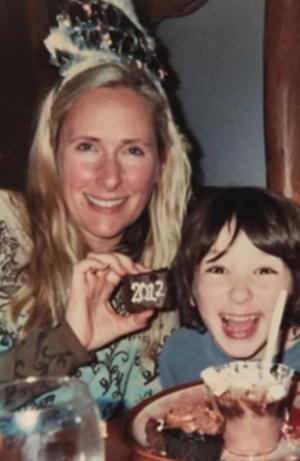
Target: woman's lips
<point x="105" y="204"/>
<point x="239" y="327"/>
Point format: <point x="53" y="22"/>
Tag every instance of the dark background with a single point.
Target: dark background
<point x="25" y="75"/>
<point x="18" y="83"/>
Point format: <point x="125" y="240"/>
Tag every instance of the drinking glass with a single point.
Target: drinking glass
<point x="49" y="419"/>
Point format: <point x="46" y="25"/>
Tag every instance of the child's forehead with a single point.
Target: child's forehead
<point x="228" y="238"/>
<point x="225" y="235"/>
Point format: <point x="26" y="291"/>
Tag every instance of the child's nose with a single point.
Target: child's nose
<point x="240" y="291"/>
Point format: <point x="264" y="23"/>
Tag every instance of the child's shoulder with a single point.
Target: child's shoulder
<point x="185" y="354"/>
<point x="290" y="354"/>
<point x="185" y="337"/>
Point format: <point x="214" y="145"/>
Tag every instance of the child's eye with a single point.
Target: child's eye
<point x="265" y="271"/>
<point x="134" y="150"/>
<point x="216" y="270"/>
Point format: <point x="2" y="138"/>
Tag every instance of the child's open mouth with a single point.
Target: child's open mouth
<point x="239" y="326"/>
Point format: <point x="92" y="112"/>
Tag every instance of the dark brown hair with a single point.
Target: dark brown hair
<point x="271" y="222"/>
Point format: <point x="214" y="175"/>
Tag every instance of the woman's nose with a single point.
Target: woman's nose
<point x="240" y="291"/>
<point x="109" y="173"/>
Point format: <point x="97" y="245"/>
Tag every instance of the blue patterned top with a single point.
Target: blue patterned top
<point x="119" y="376"/>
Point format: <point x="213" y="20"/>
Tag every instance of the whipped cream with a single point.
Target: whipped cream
<point x="246" y="377"/>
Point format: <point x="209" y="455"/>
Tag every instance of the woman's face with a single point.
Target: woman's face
<point x="236" y="294"/>
<point x="108" y="163"/>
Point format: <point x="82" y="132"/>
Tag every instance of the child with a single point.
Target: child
<point x="240" y="248"/>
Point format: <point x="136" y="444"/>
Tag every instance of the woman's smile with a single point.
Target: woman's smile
<point x="105" y="203"/>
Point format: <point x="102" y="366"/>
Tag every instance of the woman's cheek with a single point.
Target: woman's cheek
<point x="78" y="173"/>
<point x="139" y="179"/>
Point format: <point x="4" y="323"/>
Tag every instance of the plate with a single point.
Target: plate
<point x="288" y="448"/>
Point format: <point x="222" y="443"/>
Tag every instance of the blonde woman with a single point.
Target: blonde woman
<point x="107" y="189"/>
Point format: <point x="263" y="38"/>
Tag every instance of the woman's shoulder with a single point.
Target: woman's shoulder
<point x="13" y="216"/>
<point x="12" y="202"/>
<point x="15" y="242"/>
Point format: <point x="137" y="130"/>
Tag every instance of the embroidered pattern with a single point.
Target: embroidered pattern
<point x="10" y="279"/>
<point x="117" y="379"/>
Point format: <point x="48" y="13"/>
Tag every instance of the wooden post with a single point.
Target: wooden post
<point x="282" y="96"/>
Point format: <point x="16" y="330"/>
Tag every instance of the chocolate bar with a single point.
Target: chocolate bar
<point x="150" y="290"/>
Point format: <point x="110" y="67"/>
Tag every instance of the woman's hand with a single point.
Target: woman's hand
<point x="89" y="312"/>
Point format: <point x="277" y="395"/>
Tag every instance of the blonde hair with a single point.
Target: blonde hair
<point x="57" y="242"/>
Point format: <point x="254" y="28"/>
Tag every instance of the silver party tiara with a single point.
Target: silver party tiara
<point x="101" y="31"/>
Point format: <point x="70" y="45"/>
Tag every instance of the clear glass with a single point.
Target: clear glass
<point x="36" y="426"/>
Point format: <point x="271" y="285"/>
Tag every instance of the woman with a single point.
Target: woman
<point x="107" y="188"/>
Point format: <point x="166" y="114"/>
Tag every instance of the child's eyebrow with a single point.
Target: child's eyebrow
<point x="213" y="252"/>
<point x="213" y="257"/>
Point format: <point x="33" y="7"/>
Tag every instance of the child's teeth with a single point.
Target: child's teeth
<point x="248" y="318"/>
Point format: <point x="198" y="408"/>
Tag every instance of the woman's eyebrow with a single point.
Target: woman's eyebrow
<point x="128" y="141"/>
<point x="124" y="142"/>
<point x="84" y="138"/>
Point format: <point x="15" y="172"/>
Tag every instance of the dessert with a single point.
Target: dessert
<point x="150" y="290"/>
<point x="193" y="433"/>
<point x="254" y="408"/>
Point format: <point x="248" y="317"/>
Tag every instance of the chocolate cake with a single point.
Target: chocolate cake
<point x="193" y="433"/>
<point x="150" y="290"/>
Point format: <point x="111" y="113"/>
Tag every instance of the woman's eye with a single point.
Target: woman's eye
<point x="266" y="271"/>
<point x="85" y="146"/>
<point x="135" y="151"/>
<point x="216" y="270"/>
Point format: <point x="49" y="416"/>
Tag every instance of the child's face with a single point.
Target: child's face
<point x="236" y="294"/>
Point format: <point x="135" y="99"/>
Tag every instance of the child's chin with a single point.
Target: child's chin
<point x="240" y="351"/>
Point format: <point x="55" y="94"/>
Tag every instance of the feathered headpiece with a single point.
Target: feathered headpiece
<point x="91" y="30"/>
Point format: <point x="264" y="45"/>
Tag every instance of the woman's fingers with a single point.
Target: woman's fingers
<point x="140" y="319"/>
<point x="88" y="266"/>
<point x="134" y="322"/>
<point x="89" y="311"/>
<point x="108" y="268"/>
<point x="111" y="326"/>
<point x="120" y="263"/>
<point x="142" y="268"/>
<point x="95" y="274"/>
